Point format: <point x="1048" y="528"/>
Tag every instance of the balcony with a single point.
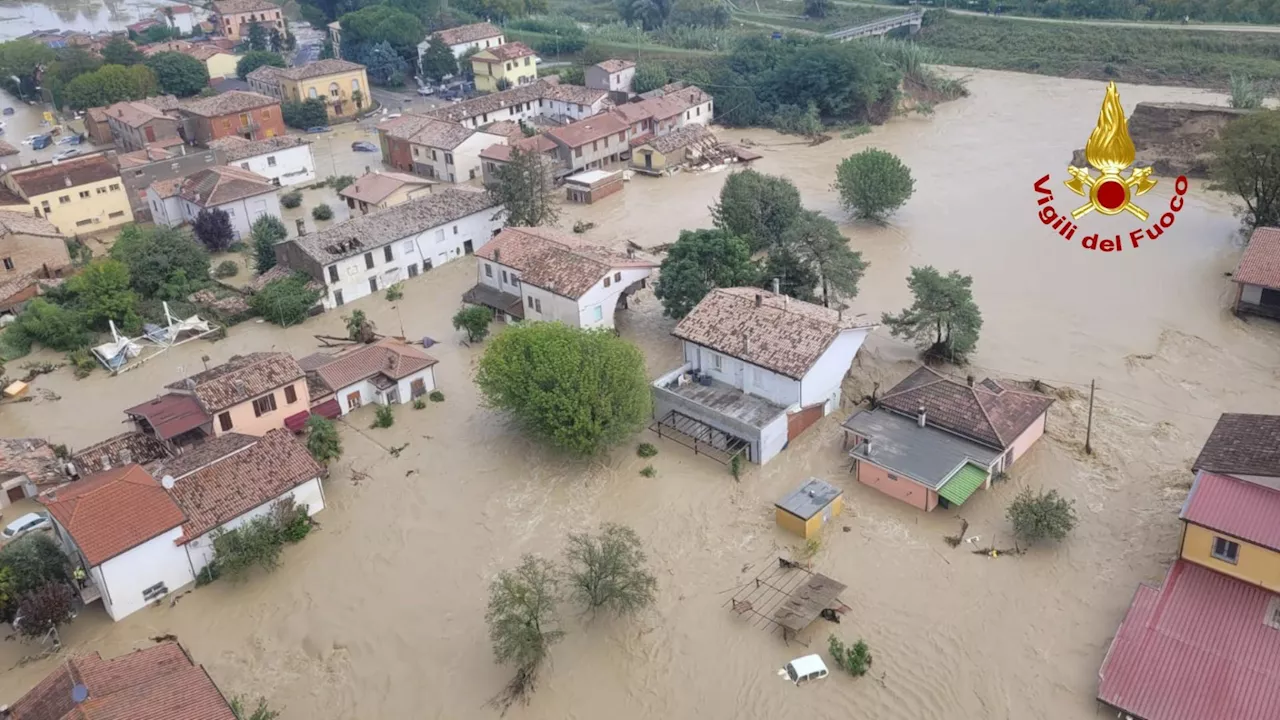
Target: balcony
<point x="714" y="418"/>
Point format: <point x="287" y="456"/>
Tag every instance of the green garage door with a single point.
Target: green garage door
<point x="964" y="483"/>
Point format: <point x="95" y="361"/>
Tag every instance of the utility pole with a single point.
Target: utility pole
<point x="1088" y="432"/>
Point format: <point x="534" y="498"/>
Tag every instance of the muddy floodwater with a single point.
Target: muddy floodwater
<point x="379" y="614"/>
<point x="19" y="18"/>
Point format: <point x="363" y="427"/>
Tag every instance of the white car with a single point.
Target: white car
<point x="805" y="669"/>
<point x="66" y="154"/>
<point x="25" y="524"/>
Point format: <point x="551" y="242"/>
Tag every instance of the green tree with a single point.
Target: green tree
<point x="120" y="51"/>
<point x="578" y="390"/>
<point x="266" y="232"/>
<point x="359" y="327"/>
<point x="607" y="571"/>
<point x="257" y="38"/>
<point x="464" y="64"/>
<point x="1041" y="516"/>
<point x="275" y="41"/>
<point x="212" y="227"/>
<point x="22" y="59"/>
<point x="702" y="13"/>
<point x="54" y="326"/>
<point x="796" y="276"/>
<point x="944" y="320"/>
<point x="522" y="623"/>
<point x="322" y="439"/>
<point x="757" y="208"/>
<point x="257" y="542"/>
<point x="649" y="76"/>
<point x="817" y="240"/>
<point x="698" y="262"/>
<point x="384" y="65"/>
<point x="306" y="114"/>
<point x="375" y="24"/>
<point x="855" y="660"/>
<point x="103" y="293"/>
<point x="32" y="561"/>
<point x="525" y="188"/>
<point x="239" y="708"/>
<point x="45" y="608"/>
<point x="255" y="59"/>
<point x="154" y="254"/>
<point x="438" y="61"/>
<point x="873" y="184"/>
<point x="1247" y="164"/>
<point x="158" y="33"/>
<point x="649" y="14"/>
<point x="1245" y="93"/>
<point x="475" y="320"/>
<point x="817" y="8"/>
<point x="110" y="84"/>
<point x="286" y="301"/>
<point x="179" y="74"/>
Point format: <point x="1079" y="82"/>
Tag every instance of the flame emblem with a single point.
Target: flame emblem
<point x="1110" y="151"/>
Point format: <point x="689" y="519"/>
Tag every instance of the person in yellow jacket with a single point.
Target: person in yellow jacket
<point x="78" y="574"/>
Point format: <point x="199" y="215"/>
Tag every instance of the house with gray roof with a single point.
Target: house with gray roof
<point x="368" y="253"/>
<point x="933" y="440"/>
<point x="759" y="369"/>
<point x="244" y="195"/>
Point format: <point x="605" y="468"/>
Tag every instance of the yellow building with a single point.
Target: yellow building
<point x="221" y="64"/>
<point x="342" y="85"/>
<point x="80" y="196"/>
<point x="1232" y="526"/>
<point x="505" y="66"/>
<point x="234" y="16"/>
<point x="807" y="510"/>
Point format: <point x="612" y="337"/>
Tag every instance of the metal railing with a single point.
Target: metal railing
<point x="877" y="27"/>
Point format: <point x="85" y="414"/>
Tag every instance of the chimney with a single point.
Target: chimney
<point x="920" y="417"/>
<point x="66" y="179"/>
<point x="746" y="344"/>
<point x="497" y="254"/>
<point x="777" y="286"/>
<point x="970" y="380"/>
<point x="866" y="448"/>
<point x="302" y="228"/>
<point x="366" y="169"/>
<point x="759" y="300"/>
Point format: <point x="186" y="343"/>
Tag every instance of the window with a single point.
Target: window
<point x="8" y="263"/>
<point x="717" y="362"/>
<point x="388" y="254"/>
<point x="1226" y="550"/>
<point x="595" y="146"/>
<point x="271" y="161"/>
<point x="504" y="276"/>
<point x="355" y="85"/>
<point x="530" y="301"/>
<point x="158" y="590"/>
<point x="577" y="152"/>
<point x="244" y="119"/>
<point x="408" y="247"/>
<point x="264" y="405"/>
<point x="224" y="421"/>
<point x="116" y="214"/>
<point x="488" y="270"/>
<point x="608" y="281"/>
<point x="244" y="165"/>
<point x="82" y="223"/>
<point x="337" y="297"/>
<point x="64" y="199"/>
<point x="266" y="114"/>
<point x="290" y="395"/>
<point x="617" y="277"/>
<point x="84" y="193"/>
<point x="537" y="305"/>
<point x="312" y="93"/>
<point x="448" y="158"/>
<point x="333" y="273"/>
<point x="455" y="229"/>
<point x="526" y="62"/>
<point x="334" y="91"/>
<point x="115" y="186"/>
<point x="597" y="313"/>
<point x="515" y="281"/>
<point x="373" y="284"/>
<point x="368" y="261"/>
<point x="433" y="156"/>
<point x="415" y="152"/>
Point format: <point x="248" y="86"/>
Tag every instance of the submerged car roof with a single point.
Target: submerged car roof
<point x="807" y="664"/>
<point x="23" y="520"/>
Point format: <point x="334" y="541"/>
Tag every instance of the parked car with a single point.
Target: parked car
<point x="426" y="91"/>
<point x="72" y="152"/>
<point x="805" y="669"/>
<point x="69" y="140"/>
<point x="8" y="111"/>
<point x="318" y="129"/>
<point x="41" y="142"/>
<point x="25" y="524"/>
<point x="364" y="146"/>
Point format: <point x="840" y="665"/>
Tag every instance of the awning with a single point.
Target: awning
<point x="964" y="483"/>
<point x="297" y="421"/>
<point x="328" y="409"/>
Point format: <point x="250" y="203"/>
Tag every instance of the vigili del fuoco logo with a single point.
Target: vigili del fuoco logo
<point x="1110" y="153"/>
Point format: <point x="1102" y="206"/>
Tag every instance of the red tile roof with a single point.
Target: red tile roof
<point x="240" y="379"/>
<point x="171" y="414"/>
<point x="223" y="491"/>
<point x="36" y="180"/>
<point x="991" y="412"/>
<point x="1236" y="507"/>
<point x="556" y="261"/>
<point x="1261" y="262"/>
<point x="157" y="683"/>
<point x="503" y="53"/>
<point x="1198" y="648"/>
<point x="592" y="129"/>
<point x="1242" y="444"/>
<point x="388" y="357"/>
<point x="113" y="511"/>
<point x="468" y="33"/>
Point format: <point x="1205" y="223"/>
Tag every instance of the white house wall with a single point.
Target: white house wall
<point x="125" y="576"/>
<point x="606" y="298"/>
<point x="290" y="166"/>
<point x="773" y="438"/>
<point x="242" y="212"/>
<point x="405" y="386"/>
<point x="822" y="382"/>
<point x="549" y="307"/>
<point x="368" y="396"/>
<point x="699" y="115"/>
<point x="199" y="552"/>
<point x="751" y="379"/>
<point x="165" y="211"/>
<point x="466" y="156"/>
<point x="438" y="245"/>
<point x="1251" y="294"/>
<point x="564" y="108"/>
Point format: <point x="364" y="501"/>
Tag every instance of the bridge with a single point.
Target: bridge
<point x="879" y="27"/>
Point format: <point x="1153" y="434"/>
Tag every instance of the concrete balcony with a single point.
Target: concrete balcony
<point x="715" y="418"/>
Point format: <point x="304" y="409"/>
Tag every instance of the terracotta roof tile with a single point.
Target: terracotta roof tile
<point x="378" y="185"/>
<point x="203" y="455"/>
<point x="136" y="114"/>
<point x="468" y="33"/>
<point x="167" y="188"/>
<point x="596" y="127"/>
<point x="505" y="52"/>
<point x="231" y="7"/>
<point x="388" y="357"/>
<point x="222" y="184"/>
<point x="437" y="134"/>
<point x="492" y="102"/>
<point x="156" y="683"/>
<point x="227" y="103"/>
<point x="555" y="261"/>
<point x="574" y="94"/>
<point x="32" y="457"/>
<point x="170" y="414"/>
<point x="113" y="511"/>
<point x="502" y="153"/>
<point x="682" y="137"/>
<point x="506" y="128"/>
<point x="319" y="68"/>
<point x="614" y="65"/>
<point x="240" y="379"/>
<point x="1236" y="507"/>
<point x="1260" y="264"/>
<point x="118" y="451"/>
<point x="781" y="334"/>
<point x="33" y="180"/>
<point x="1242" y="445"/>
<point x="237" y="148"/>
<point x="230" y="487"/>
<point x="980" y="413"/>
<point x="19" y="223"/>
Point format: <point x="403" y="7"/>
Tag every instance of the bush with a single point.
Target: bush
<point x="226" y="269"/>
<point x="873" y="183"/>
<point x="383" y="417"/>
<point x="475" y="320"/>
<point x="265" y="232"/>
<point x="45" y="608"/>
<point x="155" y="254"/>
<point x="286" y="301"/>
<point x="646" y="450"/>
<point x="305" y="114"/>
<point x="213" y="229"/>
<point x="291" y="199"/>
<point x="735" y="467"/>
<point x="255" y="59"/>
<point x="82" y="362"/>
<point x="322" y="440"/>
<point x="292" y="518"/>
<point x="648" y="471"/>
<point x="1038" y="516"/>
<point x="854" y="660"/>
<point x="257" y="542"/>
<point x="395" y="292"/>
<point x="53" y="326"/>
<point x="419" y="403"/>
<point x="339" y="182"/>
<point x="322" y="212"/>
<point x="436" y="396"/>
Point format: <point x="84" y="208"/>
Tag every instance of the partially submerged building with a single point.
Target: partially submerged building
<point x="31" y="250"/>
<point x="387" y="372"/>
<point x="244" y="195"/>
<point x="662" y="154"/>
<point x="807" y="510"/>
<point x="759" y="369"/>
<point x="81" y="195"/>
<point x="932" y="440"/>
<point x="249" y="394"/>
<point x="380" y="190"/>
<point x="1257" y="277"/>
<point x="26" y="465"/>
<point x="284" y="160"/>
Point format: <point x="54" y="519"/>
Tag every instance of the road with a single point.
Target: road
<point x="1210" y="27"/>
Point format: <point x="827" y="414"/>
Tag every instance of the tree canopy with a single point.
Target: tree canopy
<point x="212" y="228"/>
<point x="322" y="439"/>
<point x="873" y="183"/>
<point x="699" y="261"/>
<point x="649" y="76"/>
<point x="756" y="207"/>
<point x="522" y="622"/>
<point x="816" y="241"/>
<point x="102" y="292"/>
<point x="525" y="188"/>
<point x="22" y="59"/>
<point x="944" y="320"/>
<point x="311" y="112"/>
<point x="384" y="65"/>
<point x="155" y="254"/>
<point x="120" y="51"/>
<point x="255" y="59"/>
<point x="607" y="570"/>
<point x="266" y="232"/>
<point x="375" y="24"/>
<point x="1041" y="516"/>
<point x="581" y="391"/>
<point x="110" y="84"/>
<point x="1247" y="165"/>
<point x="179" y="74"/>
<point x="285" y="301"/>
<point x="438" y="60"/>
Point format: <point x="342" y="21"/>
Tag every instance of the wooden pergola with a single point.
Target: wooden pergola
<point x="700" y="437"/>
<point x="788" y="597"/>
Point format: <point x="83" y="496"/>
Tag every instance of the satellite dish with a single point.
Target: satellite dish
<point x="167" y="482"/>
<point x="79" y="693"/>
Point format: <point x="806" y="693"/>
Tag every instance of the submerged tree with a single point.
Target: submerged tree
<point x="522" y="623"/>
<point x="322" y="439"/>
<point x="45" y="608"/>
<point x="475" y="320"/>
<point x="607" y="571"/>
<point x="359" y="327"/>
<point x="817" y="240"/>
<point x="213" y="229"/>
<point x="698" y="262"/>
<point x="944" y="320"/>
<point x="1247" y="165"/>
<point x="266" y="232"/>
<point x="873" y="183"/>
<point x="525" y="188"/>
<point x="261" y="711"/>
<point x="1041" y="516"/>
<point x="757" y="208"/>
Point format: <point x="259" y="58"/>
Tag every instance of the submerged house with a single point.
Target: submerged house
<point x="387" y="372"/>
<point x="1258" y="276"/>
<point x="759" y="369"/>
<point x="935" y="441"/>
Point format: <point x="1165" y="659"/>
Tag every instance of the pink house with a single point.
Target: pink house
<point x="249" y="394"/>
<point x="932" y="440"/>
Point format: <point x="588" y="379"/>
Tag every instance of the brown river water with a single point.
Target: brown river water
<point x="380" y="613"/>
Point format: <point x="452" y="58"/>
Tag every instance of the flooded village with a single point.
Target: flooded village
<point x="380" y="611"/>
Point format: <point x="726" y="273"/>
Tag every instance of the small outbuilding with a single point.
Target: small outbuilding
<point x="592" y="185"/>
<point x="1258" y="276"/>
<point x="807" y="510"/>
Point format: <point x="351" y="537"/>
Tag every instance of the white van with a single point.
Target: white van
<point x="805" y="669"/>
